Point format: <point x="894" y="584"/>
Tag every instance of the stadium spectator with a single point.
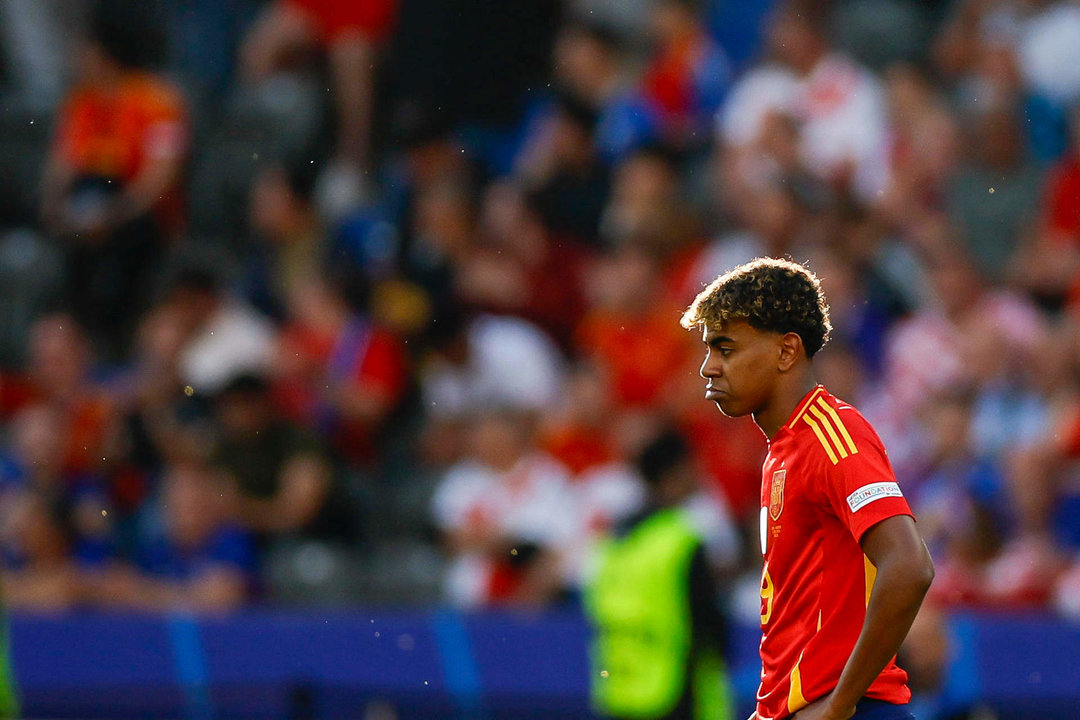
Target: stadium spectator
<point x="1048" y="265"/>
<point x="482" y="361"/>
<point x="472" y="364"/>
<point x="588" y="63"/>
<point x="924" y="151"/>
<point x="293" y="246"/>
<point x="560" y="166"/>
<point x="577" y="430"/>
<point x="157" y="421"/>
<point x="686" y="78"/>
<point x="40" y="573"/>
<point x="111" y="188"/>
<point x="646" y="206"/>
<point x="350" y="35"/>
<point x="276" y="479"/>
<point x="60" y="379"/>
<point x="839" y="106"/>
<point x="444" y="229"/>
<point x="223" y="336"/>
<point x="964" y="307"/>
<point x="55" y="526"/>
<point x="957" y="482"/>
<point x="336" y="370"/>
<point x="993" y="198"/>
<point x="522" y="268"/>
<point x="506" y="516"/>
<point x="628" y="332"/>
<point x="189" y="556"/>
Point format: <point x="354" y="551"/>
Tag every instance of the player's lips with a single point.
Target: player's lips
<point x="712" y="393"/>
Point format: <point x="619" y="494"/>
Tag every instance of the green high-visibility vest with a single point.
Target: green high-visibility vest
<point x="639" y="604"/>
<point x="9" y="698"/>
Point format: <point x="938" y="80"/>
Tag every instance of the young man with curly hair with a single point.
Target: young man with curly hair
<point x="845" y="570"/>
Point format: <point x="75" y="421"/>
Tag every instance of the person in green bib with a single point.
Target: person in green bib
<point x="653" y="598"/>
<point x="9" y="691"/>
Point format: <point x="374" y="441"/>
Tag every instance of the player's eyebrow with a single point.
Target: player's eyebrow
<point x="720" y="340"/>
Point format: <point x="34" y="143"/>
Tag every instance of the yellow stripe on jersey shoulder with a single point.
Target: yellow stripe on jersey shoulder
<point x="821" y="437"/>
<point x="802" y="409"/>
<point x="839" y="425"/>
<point x="827" y="425"/>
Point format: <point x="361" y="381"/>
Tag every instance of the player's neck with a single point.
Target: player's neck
<point x="790" y="390"/>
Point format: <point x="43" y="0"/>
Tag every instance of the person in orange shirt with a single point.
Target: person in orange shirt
<point x="629" y="334"/>
<point x="110" y="182"/>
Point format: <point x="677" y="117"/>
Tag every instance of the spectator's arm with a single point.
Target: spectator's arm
<point x="1045" y="262"/>
<point x="543" y="580"/>
<point x="278" y="30"/>
<point x="305" y="482"/>
<point x="481" y="537"/>
<point x="369" y="396"/>
<point x="537" y="161"/>
<point x="41" y="589"/>
<point x="216" y="589"/>
<point x="57" y="177"/>
<point x="161" y="173"/>
<point x="364" y="403"/>
<point x="352" y="62"/>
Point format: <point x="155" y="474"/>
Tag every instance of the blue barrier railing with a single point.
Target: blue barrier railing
<point x="432" y="665"/>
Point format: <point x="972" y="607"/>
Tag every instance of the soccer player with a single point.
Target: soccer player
<point x="845" y="570"/>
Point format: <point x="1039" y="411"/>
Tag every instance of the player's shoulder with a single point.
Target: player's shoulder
<point x="833" y="428"/>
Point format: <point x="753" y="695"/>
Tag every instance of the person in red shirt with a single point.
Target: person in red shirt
<point x="350" y="34"/>
<point x="338" y="371"/>
<point x="845" y="570"/>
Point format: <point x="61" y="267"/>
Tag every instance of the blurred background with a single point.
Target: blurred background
<point x="336" y="332"/>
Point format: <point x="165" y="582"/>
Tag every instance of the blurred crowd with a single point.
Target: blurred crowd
<point x="314" y="301"/>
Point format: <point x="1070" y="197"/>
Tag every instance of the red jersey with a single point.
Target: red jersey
<point x="825" y="482"/>
<point x="334" y="19"/>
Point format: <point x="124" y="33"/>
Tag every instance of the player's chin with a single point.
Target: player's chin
<point x="731" y="407"/>
<point x="724" y="405"/>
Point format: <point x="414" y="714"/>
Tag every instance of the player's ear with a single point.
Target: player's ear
<point x="789" y="350"/>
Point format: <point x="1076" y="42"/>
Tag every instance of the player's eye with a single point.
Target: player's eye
<point x="725" y="352"/>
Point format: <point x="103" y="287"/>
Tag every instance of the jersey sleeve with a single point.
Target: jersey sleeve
<point x="861" y="488"/>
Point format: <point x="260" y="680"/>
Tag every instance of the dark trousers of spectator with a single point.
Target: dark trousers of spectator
<point x="109" y="284"/>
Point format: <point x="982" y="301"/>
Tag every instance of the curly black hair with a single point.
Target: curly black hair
<point x="770" y="294"/>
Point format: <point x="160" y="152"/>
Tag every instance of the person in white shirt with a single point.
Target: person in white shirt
<point x="506" y="514"/>
<point x="224" y="337"/>
<point x="839" y="105"/>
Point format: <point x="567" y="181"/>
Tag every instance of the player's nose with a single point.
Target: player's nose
<point x="709" y="369"/>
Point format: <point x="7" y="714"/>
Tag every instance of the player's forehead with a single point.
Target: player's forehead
<point x="735" y="329"/>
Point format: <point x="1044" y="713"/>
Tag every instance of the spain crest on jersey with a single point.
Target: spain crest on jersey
<point x="776" y="494"/>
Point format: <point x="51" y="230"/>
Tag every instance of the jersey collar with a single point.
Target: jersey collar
<point x="800" y="408"/>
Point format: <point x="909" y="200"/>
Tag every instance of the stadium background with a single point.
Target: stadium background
<point x="331" y="331"/>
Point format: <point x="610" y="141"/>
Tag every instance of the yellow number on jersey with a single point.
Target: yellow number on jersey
<point x="768" y="589"/>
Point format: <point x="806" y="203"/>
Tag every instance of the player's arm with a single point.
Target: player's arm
<point x="904" y="574"/>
